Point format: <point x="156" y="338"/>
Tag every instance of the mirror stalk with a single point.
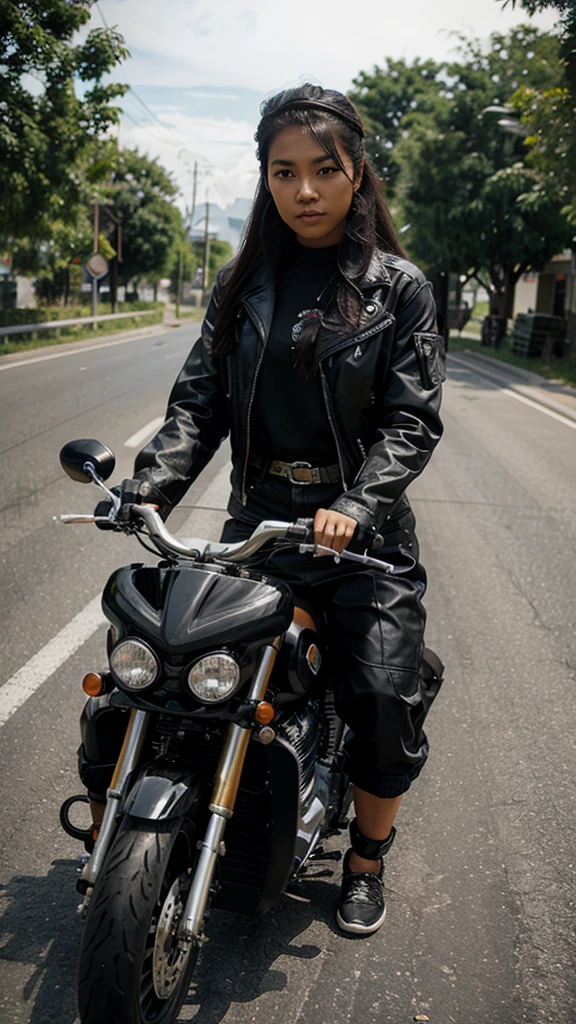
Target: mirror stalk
<point x="89" y="469"/>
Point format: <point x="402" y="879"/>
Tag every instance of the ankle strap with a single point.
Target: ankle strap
<point x="371" y="849"/>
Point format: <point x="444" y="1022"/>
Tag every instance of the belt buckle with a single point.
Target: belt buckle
<point x="295" y="466"/>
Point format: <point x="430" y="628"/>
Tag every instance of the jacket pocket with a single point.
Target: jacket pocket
<point x="431" y="358"/>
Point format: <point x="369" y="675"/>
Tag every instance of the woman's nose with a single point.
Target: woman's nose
<point x="307" y="191"/>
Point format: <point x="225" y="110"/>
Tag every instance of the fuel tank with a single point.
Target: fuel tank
<point x="184" y="608"/>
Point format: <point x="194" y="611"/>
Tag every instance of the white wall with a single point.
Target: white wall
<point x="25" y="294"/>
<point x="525" y="293"/>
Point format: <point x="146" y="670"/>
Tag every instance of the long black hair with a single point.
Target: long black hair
<point x="326" y="114"/>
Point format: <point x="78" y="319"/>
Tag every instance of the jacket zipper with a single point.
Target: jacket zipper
<point x="333" y="429"/>
<point x="261" y="330"/>
<point x="341" y="344"/>
<point x="357" y="338"/>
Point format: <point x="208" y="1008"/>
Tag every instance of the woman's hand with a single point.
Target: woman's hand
<point x="333" y="530"/>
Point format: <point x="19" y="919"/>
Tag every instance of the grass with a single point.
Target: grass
<point x="559" y="369"/>
<point x="41" y="314"/>
<point x="57" y="335"/>
<point x="474" y="326"/>
<point x="192" y="313"/>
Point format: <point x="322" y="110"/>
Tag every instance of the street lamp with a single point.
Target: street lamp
<point x="509" y="120"/>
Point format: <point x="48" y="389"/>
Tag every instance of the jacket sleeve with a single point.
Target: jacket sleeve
<point x="196" y="424"/>
<point x="408" y="425"/>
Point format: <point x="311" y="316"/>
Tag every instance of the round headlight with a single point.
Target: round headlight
<point x="135" y="665"/>
<point x="214" y="678"/>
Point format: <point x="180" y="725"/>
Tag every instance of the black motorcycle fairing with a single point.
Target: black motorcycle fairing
<point x="161" y="794"/>
<point x="185" y="609"/>
<point x="299" y="663"/>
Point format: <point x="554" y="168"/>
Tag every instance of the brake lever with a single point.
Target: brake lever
<point x="350" y="556"/>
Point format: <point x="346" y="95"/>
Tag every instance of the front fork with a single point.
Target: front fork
<point x="226" y="783"/>
<point x="224" y="794"/>
<point x="127" y="761"/>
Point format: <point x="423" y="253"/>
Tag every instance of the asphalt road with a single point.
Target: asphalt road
<point x="480" y="883"/>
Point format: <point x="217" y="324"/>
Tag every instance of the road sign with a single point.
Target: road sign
<point x="97" y="266"/>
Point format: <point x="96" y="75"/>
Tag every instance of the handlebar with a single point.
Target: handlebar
<point x="161" y="537"/>
<point x="199" y="549"/>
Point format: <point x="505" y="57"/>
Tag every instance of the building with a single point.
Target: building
<point x="226" y="224"/>
<point x="552" y="291"/>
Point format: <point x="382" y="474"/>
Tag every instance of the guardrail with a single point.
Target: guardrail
<point x="48" y="324"/>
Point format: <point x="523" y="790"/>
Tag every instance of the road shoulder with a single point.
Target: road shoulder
<point x="558" y="397"/>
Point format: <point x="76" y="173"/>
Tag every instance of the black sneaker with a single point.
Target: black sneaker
<point x="362" y="909"/>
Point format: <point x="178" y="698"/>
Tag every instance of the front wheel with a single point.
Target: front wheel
<point x="132" y="970"/>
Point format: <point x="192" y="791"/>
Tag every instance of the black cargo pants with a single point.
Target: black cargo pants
<point x="375" y="635"/>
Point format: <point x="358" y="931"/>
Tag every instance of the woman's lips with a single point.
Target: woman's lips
<point x="309" y="217"/>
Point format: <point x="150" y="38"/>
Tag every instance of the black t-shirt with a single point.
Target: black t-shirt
<point x="289" y="418"/>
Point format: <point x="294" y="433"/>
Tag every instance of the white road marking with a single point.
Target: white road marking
<point x="540" y="408"/>
<point x="80" y="351"/>
<point x="136" y="440"/>
<point x="214" y="497"/>
<point x="49" y="659"/>
<point x="519" y="398"/>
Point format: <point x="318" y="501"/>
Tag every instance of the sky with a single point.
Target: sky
<point x="199" y="69"/>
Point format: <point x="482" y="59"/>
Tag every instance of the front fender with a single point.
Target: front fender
<point x="158" y="797"/>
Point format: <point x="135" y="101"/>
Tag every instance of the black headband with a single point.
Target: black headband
<point x="305" y="104"/>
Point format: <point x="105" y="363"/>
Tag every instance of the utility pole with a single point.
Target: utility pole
<point x="206" y="244"/>
<point x="96" y="247"/>
<point x="179" y="284"/>
<point x="113" y="272"/>
<point x="194" y="188"/>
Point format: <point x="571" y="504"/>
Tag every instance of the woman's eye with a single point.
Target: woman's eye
<point x="284" y="173"/>
<point x="328" y="170"/>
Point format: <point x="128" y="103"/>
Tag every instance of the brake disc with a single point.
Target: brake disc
<point x="170" y="954"/>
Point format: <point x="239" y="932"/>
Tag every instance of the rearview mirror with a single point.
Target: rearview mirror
<point x="75" y="454"/>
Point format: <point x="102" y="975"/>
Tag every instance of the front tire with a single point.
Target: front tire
<point x="130" y="970"/>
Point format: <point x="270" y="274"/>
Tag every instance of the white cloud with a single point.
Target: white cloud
<point x="227" y="172"/>
<point x="266" y="46"/>
<point x="269" y="43"/>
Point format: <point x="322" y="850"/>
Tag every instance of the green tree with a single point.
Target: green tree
<point x="183" y="259"/>
<point x="566" y="27"/>
<point x="391" y="98"/>
<point x="219" y="253"/>
<point x="46" y="129"/>
<point x="473" y="204"/>
<point x="142" y="196"/>
<point x="549" y="114"/>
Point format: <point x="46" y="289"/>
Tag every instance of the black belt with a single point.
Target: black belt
<point x="298" y="472"/>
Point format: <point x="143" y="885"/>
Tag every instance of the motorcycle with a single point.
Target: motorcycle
<point x="214" y="736"/>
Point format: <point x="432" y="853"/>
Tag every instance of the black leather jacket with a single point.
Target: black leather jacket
<point x="381" y="382"/>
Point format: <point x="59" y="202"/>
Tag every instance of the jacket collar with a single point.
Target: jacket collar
<point x="377" y="272"/>
<point x="261" y="286"/>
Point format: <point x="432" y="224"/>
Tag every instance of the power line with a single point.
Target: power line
<point x="151" y="129"/>
<point x="199" y="138"/>
<point x="156" y="118"/>
<point x="101" y="13"/>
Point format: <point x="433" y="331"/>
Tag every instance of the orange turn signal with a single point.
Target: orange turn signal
<point x="264" y="712"/>
<point x="93" y="684"/>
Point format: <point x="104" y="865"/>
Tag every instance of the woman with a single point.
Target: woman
<point x="320" y="359"/>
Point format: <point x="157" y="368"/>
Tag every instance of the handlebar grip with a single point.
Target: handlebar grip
<point x="301" y="531"/>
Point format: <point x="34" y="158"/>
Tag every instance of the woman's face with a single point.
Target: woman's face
<point x="311" y="193"/>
